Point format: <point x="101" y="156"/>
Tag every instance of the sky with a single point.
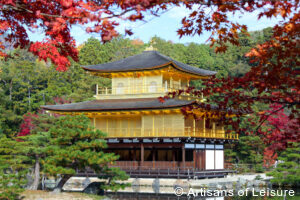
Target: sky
<point x="165" y="26"/>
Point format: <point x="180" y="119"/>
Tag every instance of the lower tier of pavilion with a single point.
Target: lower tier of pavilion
<point x="154" y="138"/>
<point x="169" y="158"/>
<point x="145" y="118"/>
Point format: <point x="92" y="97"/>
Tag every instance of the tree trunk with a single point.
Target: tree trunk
<point x="60" y="185"/>
<point x="36" y="180"/>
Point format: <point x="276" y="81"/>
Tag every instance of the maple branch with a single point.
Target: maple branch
<point x="120" y="14"/>
<point x="267" y="117"/>
<point x="22" y="9"/>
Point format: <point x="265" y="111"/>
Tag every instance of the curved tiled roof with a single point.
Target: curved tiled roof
<point x="130" y="105"/>
<point x="119" y="104"/>
<point x="146" y="61"/>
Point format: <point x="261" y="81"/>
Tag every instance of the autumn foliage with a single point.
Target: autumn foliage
<point x="281" y="129"/>
<point x="55" y="19"/>
<point x="27" y="125"/>
<point x="273" y="79"/>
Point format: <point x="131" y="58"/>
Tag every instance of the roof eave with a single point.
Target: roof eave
<point x="150" y="68"/>
<point x="127" y="109"/>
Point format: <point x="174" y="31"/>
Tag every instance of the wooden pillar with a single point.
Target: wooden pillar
<point x="204" y="126"/>
<point x="173" y="158"/>
<point x="194" y="127"/>
<point x="142" y="155"/>
<point x="183" y="156"/>
<point x="195" y="158"/>
<point x="204" y="159"/>
<point x="153" y="158"/>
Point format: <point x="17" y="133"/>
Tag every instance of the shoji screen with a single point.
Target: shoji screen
<point x="219" y="159"/>
<point x="209" y="159"/>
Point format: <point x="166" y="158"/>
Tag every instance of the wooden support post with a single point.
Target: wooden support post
<point x="204" y="126"/>
<point x="142" y="155"/>
<point x="134" y="157"/>
<point x="194" y="127"/>
<point x="173" y="158"/>
<point x="183" y="156"/>
<point x="153" y="158"/>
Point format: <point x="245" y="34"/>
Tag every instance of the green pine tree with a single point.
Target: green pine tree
<point x="75" y="146"/>
<point x="12" y="169"/>
<point x="287" y="171"/>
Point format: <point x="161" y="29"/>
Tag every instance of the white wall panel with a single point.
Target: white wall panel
<point x="219" y="159"/>
<point x="209" y="159"/>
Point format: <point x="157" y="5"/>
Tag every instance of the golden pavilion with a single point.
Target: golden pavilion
<point x="148" y="134"/>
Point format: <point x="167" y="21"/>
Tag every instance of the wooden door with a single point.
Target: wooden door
<point x="199" y="159"/>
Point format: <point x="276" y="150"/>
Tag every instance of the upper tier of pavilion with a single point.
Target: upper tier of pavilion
<point x="146" y="75"/>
